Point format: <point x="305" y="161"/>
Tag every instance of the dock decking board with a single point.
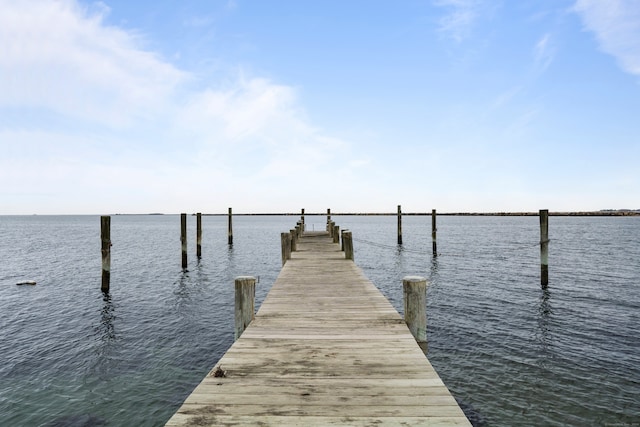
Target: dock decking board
<point x="326" y="348"/>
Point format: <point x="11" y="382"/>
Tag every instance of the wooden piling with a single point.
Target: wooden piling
<point x="336" y="234"/>
<point x="183" y="238"/>
<point x="399" y="225"/>
<point x="433" y="232"/>
<point x="294" y="239"/>
<point x="415" y="307"/>
<point x="347" y="239"/>
<point x="199" y="234"/>
<point x="105" y="237"/>
<point x="285" y="241"/>
<point x="328" y="214"/>
<point x="245" y="303"/>
<point x="342" y="239"/>
<point x="544" y="247"/>
<point x="230" y="228"/>
<point x="302" y="219"/>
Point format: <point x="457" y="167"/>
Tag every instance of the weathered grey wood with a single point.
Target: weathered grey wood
<point x="105" y="238"/>
<point x="347" y="238"/>
<point x="325" y="349"/>
<point x="302" y="219"/>
<point x="230" y="228"/>
<point x="415" y="307"/>
<point x="328" y="214"/>
<point x="183" y="238"/>
<point x="544" y="247"/>
<point x="336" y="233"/>
<point x="293" y="235"/>
<point x="245" y="287"/>
<point x="199" y="235"/>
<point x="399" y="225"/>
<point x="285" y="242"/>
<point x="433" y="233"/>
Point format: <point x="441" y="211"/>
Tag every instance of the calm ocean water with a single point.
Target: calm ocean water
<point x="512" y="354"/>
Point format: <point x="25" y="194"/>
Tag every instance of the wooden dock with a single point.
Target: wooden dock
<point x="326" y="348"/>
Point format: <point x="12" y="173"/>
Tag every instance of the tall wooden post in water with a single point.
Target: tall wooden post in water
<point x="230" y="228"/>
<point x="245" y="303"/>
<point x="415" y="307"/>
<point x="433" y="232"/>
<point x="399" y="225"/>
<point x="198" y="234"/>
<point x="105" y="237"/>
<point x="183" y="238"/>
<point x="302" y="219"/>
<point x="544" y="247"/>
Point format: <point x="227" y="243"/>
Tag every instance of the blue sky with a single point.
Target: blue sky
<point x="271" y="106"/>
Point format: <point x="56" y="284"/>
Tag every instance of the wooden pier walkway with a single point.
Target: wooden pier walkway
<point x="326" y="348"/>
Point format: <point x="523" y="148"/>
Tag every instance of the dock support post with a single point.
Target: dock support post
<point x="302" y="219"/>
<point x="199" y="235"/>
<point x="183" y="238"/>
<point x="230" y="228"/>
<point x="544" y="247"/>
<point x="415" y="307"/>
<point x="245" y="303"/>
<point x="399" y="225"/>
<point x="336" y="234"/>
<point x="347" y="239"/>
<point x="285" y="241"/>
<point x="105" y="237"/>
<point x="342" y="239"/>
<point x="328" y="214"/>
<point x="294" y="240"/>
<point x="433" y="232"/>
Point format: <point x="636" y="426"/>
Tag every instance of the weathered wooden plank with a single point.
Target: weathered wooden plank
<point x="310" y="421"/>
<point x="325" y="349"/>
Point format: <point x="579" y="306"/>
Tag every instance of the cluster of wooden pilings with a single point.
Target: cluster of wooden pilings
<point x="105" y="237"/>
<point x="289" y="240"/>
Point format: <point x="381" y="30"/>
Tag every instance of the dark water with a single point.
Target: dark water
<point x="512" y="353"/>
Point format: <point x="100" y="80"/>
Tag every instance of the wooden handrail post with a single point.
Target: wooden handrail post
<point x="415" y="307"/>
<point x="348" y="244"/>
<point x="244" y="303"/>
<point x="294" y="240"/>
<point x="105" y="238"/>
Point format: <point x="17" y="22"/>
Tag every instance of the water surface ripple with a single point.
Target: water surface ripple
<point x="512" y="353"/>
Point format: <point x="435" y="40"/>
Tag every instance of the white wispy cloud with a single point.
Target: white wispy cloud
<point x="56" y="56"/>
<point x="616" y="25"/>
<point x="544" y="52"/>
<point x="128" y="122"/>
<point x="460" y="18"/>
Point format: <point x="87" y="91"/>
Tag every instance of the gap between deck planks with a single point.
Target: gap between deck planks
<point x="326" y="348"/>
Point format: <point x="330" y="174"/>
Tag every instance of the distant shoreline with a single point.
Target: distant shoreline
<point x="592" y="213"/>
